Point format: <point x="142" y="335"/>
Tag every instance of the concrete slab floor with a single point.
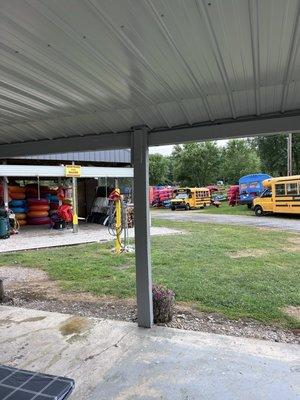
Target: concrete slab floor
<point x="36" y="237"/>
<point x="114" y="360"/>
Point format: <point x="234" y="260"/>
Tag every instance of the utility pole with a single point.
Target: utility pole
<point x="289" y="154"/>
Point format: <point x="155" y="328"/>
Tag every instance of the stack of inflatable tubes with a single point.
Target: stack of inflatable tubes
<point x="19" y="207"/>
<point x="54" y="202"/>
<point x="32" y="190"/>
<point x="16" y="192"/>
<point x="38" y="212"/>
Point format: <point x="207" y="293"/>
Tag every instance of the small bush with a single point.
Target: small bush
<point x="163" y="304"/>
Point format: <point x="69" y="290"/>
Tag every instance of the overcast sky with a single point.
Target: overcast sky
<point x="167" y="150"/>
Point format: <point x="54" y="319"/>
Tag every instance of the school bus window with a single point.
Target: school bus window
<point x="266" y="193"/>
<point x="280" y="190"/>
<point x="291" y="188"/>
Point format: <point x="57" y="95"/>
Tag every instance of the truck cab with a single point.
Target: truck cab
<point x="264" y="203"/>
<point x="281" y="195"/>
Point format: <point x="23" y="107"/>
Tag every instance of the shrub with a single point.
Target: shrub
<point x="163" y="304"/>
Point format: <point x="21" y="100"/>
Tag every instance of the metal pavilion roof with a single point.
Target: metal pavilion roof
<point x="83" y="67"/>
<point x="108" y="156"/>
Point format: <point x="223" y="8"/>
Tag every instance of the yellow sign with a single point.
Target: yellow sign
<point x="73" y="171"/>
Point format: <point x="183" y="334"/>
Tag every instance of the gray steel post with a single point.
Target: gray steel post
<point x="5" y="190"/>
<point x="142" y="228"/>
<point x="289" y="154"/>
<point x="5" y="193"/>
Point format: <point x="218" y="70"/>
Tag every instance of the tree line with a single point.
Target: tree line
<point x="200" y="164"/>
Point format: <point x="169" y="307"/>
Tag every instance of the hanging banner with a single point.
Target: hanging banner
<point x="73" y="171"/>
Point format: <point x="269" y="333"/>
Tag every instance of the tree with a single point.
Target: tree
<point x="239" y="158"/>
<point x="196" y="164"/>
<point x="159" y="169"/>
<point x="273" y="153"/>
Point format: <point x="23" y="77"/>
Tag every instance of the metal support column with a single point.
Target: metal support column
<point x="142" y="228"/>
<point x="5" y="191"/>
<point x="289" y="154"/>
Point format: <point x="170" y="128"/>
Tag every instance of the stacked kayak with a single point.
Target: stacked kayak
<point x="233" y="195"/>
<point x="38" y="212"/>
<point x="160" y="194"/>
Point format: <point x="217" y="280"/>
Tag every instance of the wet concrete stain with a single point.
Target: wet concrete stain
<point x="33" y="319"/>
<point x="74" y="326"/>
<point x="8" y="321"/>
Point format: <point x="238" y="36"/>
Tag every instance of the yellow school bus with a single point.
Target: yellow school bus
<point x="282" y="195"/>
<point x="190" y="198"/>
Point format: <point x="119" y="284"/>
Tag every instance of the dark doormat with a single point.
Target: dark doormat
<point x="17" y="384"/>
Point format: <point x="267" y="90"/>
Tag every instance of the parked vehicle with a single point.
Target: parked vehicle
<point x="220" y="197"/>
<point x="233" y="195"/>
<point x="190" y="198"/>
<point x="281" y="195"/>
<point x="250" y="186"/>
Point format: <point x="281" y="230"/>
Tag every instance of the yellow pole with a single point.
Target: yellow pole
<point x="74" y="203"/>
<point x="118" y="223"/>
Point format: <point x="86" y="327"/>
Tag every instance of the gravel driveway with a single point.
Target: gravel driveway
<point x="270" y="221"/>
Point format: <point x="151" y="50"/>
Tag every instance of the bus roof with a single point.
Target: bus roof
<point x="192" y="189"/>
<point x="254" y="177"/>
<point x="268" y="182"/>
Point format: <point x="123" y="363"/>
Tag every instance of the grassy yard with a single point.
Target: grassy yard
<point x="223" y="209"/>
<point x="226" y="209"/>
<point x="237" y="271"/>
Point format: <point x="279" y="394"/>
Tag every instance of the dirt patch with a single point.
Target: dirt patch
<point x="255" y="253"/>
<point x="16" y="275"/>
<point x="291" y="249"/>
<point x="292" y="311"/>
<point x="293" y="244"/>
<point x="123" y="266"/>
<point x="294" y="240"/>
<point x="31" y="288"/>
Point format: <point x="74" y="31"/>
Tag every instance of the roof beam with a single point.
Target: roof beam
<point x="59" y="171"/>
<point x="122" y="140"/>
<point x="226" y="130"/>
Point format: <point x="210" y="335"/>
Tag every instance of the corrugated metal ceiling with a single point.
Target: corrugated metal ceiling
<point x="109" y="156"/>
<point x="77" y="67"/>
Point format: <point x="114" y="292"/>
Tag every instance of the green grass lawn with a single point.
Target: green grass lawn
<point x="226" y="209"/>
<point x="223" y="209"/>
<point x="237" y="271"/>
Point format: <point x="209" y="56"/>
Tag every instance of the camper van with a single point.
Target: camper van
<point x="190" y="198"/>
<point x="281" y="195"/>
